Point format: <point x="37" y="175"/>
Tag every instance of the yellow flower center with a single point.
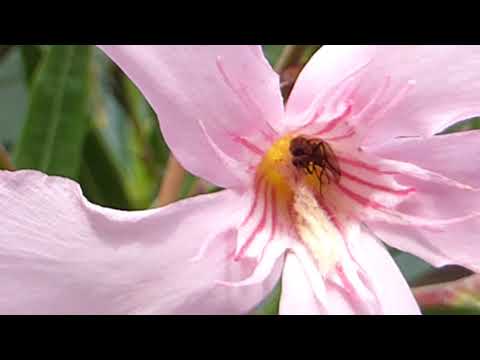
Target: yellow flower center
<point x="276" y="167"/>
<point x="297" y="191"/>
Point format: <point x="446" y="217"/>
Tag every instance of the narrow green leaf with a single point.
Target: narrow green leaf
<point x="273" y="52"/>
<point x="271" y="304"/>
<point x="412" y="267"/>
<point x="100" y="178"/>
<point x="445" y="310"/>
<point x="13" y="98"/>
<point x="31" y="58"/>
<point x="57" y="118"/>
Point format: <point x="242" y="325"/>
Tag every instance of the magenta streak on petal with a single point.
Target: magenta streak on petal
<point x="260" y="226"/>
<point x="204" y="247"/>
<point x="368" y="284"/>
<point x="360" y="199"/>
<point x="274" y="221"/>
<point x="410" y="170"/>
<point x="365" y="166"/>
<point x="347" y="286"/>
<point x="351" y="132"/>
<point x="405" y="191"/>
<point x="348" y="292"/>
<point x="243" y="95"/>
<point x="374" y="100"/>
<point x="362" y="275"/>
<point x="247" y="144"/>
<point x="224" y="158"/>
<point x="342" y="88"/>
<point x="401" y="218"/>
<point x="270" y="138"/>
<point x="351" y="292"/>
<point x="258" y="184"/>
<point x="393" y="101"/>
<point x="274" y="214"/>
<point x="313" y="114"/>
<point x="336" y="121"/>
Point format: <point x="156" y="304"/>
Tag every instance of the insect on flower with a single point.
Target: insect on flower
<point x="315" y="157"/>
<point x="360" y="120"/>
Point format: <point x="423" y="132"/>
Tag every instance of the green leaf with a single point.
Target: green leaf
<point x="31" y="58"/>
<point x="271" y="304"/>
<point x="100" y="178"/>
<point x="412" y="267"/>
<point x="13" y="98"/>
<point x="273" y="52"/>
<point x="58" y="116"/>
<point x="451" y="310"/>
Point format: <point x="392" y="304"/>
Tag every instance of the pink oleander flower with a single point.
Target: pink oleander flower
<point x="374" y="171"/>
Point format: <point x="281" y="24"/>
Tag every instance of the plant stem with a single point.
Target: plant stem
<point x="171" y="184"/>
<point x="5" y="162"/>
<point x="291" y="54"/>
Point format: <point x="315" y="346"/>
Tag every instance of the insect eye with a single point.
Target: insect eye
<point x="297" y="152"/>
<point x="296" y="162"/>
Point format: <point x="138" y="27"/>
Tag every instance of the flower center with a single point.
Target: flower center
<point x="276" y="167"/>
<point x="298" y="159"/>
<point x="300" y="170"/>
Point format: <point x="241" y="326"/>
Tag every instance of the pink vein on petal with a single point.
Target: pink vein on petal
<point x="249" y="145"/>
<point x="336" y="121"/>
<point x="260" y="226"/>
<point x="339" y="90"/>
<point x="364" y="166"/>
<point x="374" y="99"/>
<point x="274" y="214"/>
<point x="274" y="222"/>
<point x="360" y="199"/>
<point x="351" y="132"/>
<point x="356" y="179"/>
<point x="405" y="219"/>
<point x="243" y="95"/>
<point x="395" y="100"/>
<point x="258" y="184"/>
<point x="224" y="158"/>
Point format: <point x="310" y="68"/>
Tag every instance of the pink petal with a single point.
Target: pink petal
<point x="60" y="254"/>
<point x="297" y="297"/>
<point x="451" y="156"/>
<point x="209" y="100"/>
<point x="379" y="287"/>
<point x="388" y="284"/>
<point x="456" y="244"/>
<point x="409" y="90"/>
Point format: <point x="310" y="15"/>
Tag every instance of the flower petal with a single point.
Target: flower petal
<point x="387" y="282"/>
<point x="451" y="155"/>
<point x="297" y="297"/>
<point x="404" y="90"/>
<point x="228" y="96"/>
<point x="60" y="254"/>
<point x="456" y="244"/>
<point x="368" y="282"/>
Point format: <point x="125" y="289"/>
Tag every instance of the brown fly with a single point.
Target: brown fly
<point x="315" y="157"/>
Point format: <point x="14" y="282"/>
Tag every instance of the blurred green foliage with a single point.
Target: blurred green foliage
<point x="57" y="118"/>
<point x="67" y="110"/>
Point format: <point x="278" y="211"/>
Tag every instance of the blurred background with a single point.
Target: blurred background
<point x="67" y="110"/>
